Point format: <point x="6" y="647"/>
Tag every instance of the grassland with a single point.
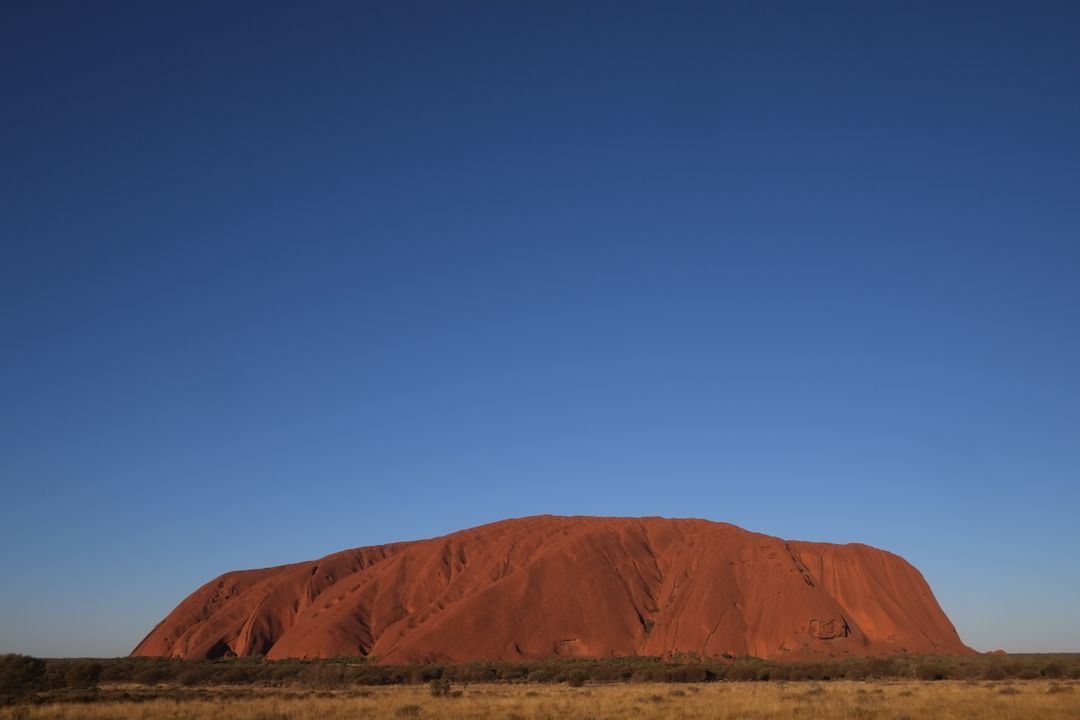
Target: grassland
<point x="1014" y="687"/>
<point x="804" y="700"/>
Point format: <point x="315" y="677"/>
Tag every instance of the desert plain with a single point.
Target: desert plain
<point x="840" y="700"/>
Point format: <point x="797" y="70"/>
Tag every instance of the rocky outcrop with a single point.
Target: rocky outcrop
<point x="547" y="586"/>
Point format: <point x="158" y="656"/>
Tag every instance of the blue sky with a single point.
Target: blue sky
<point x="282" y="279"/>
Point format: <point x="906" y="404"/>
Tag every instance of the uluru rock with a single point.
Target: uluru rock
<point x="545" y="586"/>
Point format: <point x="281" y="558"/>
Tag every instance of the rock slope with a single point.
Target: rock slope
<point x="547" y="586"/>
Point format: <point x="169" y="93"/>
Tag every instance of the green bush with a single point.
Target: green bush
<point x="543" y="674"/>
<point x="687" y="674"/>
<point x="150" y="676"/>
<point x="1053" y="669"/>
<point x="427" y="673"/>
<point x="576" y="678"/>
<point x="83" y="674"/>
<point x="203" y="675"/>
<point x="20" y="676"/>
<point x="741" y="672"/>
<point x="930" y="671"/>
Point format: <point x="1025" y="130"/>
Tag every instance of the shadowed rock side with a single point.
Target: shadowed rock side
<point x="548" y="586"/>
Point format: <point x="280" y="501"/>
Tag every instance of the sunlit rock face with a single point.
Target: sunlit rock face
<point x="541" y="587"/>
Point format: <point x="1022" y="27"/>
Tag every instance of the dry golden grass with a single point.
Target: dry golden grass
<point x="840" y="700"/>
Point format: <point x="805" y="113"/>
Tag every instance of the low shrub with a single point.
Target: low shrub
<point x="576" y="677"/>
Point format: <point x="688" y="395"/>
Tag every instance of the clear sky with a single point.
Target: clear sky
<point x="280" y="279"/>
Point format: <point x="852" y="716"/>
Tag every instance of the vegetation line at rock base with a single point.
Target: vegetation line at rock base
<point x="26" y="679"/>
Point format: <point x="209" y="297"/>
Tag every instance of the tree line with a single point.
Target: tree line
<point x="25" y="678"/>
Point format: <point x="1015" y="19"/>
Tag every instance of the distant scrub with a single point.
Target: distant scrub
<point x="21" y="676"/>
<point x="24" y="678"/>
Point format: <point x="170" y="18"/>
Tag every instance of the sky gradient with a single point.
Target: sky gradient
<point x="281" y="279"/>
